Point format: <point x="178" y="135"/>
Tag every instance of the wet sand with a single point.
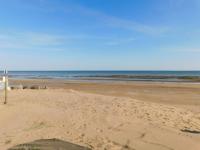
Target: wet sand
<point x="168" y="92"/>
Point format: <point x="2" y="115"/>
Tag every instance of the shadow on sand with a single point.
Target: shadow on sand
<point x="48" y="144"/>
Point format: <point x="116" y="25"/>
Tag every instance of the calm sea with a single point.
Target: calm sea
<point x="108" y="75"/>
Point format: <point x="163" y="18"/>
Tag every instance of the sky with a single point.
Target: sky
<point x="100" y="34"/>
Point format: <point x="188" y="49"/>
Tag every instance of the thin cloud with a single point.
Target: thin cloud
<point x="24" y="40"/>
<point x="117" y="22"/>
<point x="44" y="39"/>
<point x="105" y="19"/>
<point x="188" y="50"/>
<point x="120" y="41"/>
<point x="183" y="49"/>
<point x="27" y="39"/>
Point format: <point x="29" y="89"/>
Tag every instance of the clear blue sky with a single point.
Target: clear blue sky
<point x="100" y="34"/>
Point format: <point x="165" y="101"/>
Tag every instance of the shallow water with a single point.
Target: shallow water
<point x="172" y="76"/>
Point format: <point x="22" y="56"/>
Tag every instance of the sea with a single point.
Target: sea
<point x="165" y="76"/>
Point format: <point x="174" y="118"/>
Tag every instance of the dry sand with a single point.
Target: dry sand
<point x="104" y="116"/>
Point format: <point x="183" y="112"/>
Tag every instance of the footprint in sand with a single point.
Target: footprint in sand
<point x="8" y="141"/>
<point x="37" y="125"/>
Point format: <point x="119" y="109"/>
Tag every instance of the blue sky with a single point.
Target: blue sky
<point x="100" y="34"/>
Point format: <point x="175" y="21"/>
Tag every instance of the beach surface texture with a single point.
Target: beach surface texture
<point x="141" y="117"/>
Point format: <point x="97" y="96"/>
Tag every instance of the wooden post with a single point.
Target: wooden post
<point x="6" y="85"/>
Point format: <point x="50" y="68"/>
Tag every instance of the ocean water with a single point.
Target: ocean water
<point x="109" y="75"/>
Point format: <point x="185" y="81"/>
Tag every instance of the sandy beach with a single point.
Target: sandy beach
<point x="100" y="75"/>
<point x="104" y="116"/>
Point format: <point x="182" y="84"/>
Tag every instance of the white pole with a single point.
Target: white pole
<point x="6" y="85"/>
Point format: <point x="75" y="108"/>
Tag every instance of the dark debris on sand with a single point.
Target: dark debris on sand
<point x="190" y="131"/>
<point x="48" y="144"/>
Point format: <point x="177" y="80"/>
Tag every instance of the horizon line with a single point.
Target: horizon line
<point x="95" y="70"/>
